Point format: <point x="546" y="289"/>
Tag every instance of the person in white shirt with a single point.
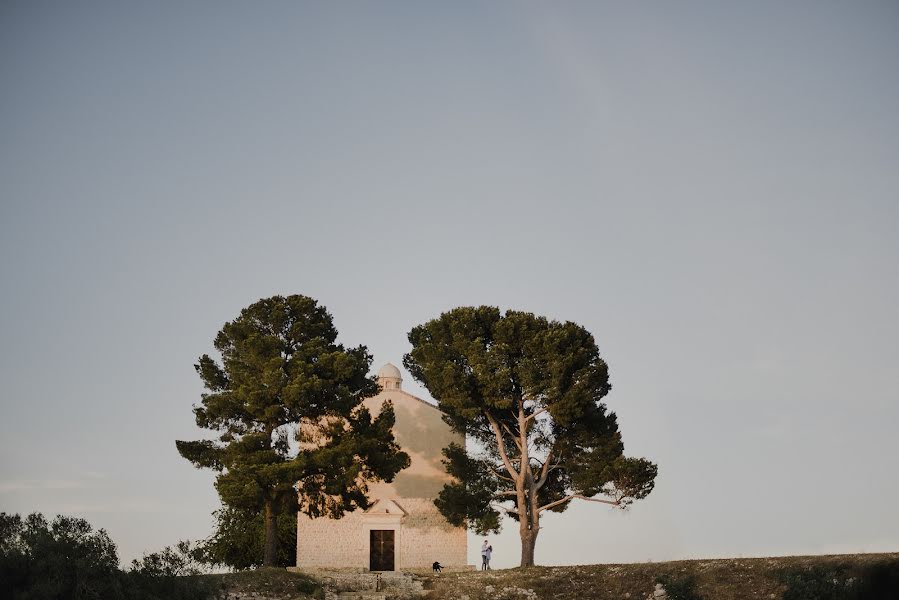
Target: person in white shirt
<point x="486" y="553"/>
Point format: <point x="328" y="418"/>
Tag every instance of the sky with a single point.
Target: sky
<point x="710" y="188"/>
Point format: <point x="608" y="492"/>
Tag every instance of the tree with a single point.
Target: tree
<point x="528" y="391"/>
<point x="68" y="559"/>
<point x="173" y="573"/>
<point x="284" y="378"/>
<point x="239" y="539"/>
<point x="62" y="559"/>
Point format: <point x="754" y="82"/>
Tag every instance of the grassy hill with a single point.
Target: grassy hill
<point x="266" y="583"/>
<point x="841" y="577"/>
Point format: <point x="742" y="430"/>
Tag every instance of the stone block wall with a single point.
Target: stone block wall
<point x="331" y="542"/>
<point x="422" y="537"/>
<point x="426" y="536"/>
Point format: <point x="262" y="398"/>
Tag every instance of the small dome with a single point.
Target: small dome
<point x="391" y="371"/>
<point x="389" y="377"/>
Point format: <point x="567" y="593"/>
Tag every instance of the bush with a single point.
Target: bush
<point x="171" y="573"/>
<point x="683" y="588"/>
<point x="879" y="581"/>
<point x="67" y="559"/>
<point x="62" y="559"/>
<point x="842" y="582"/>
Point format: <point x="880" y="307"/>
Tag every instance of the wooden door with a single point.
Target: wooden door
<point x="381" y="553"/>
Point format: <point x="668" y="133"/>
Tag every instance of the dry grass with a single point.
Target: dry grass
<point x="268" y="582"/>
<point x="725" y="579"/>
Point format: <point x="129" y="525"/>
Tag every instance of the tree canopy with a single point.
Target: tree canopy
<point x="529" y="392"/>
<point x="286" y="403"/>
<point x="67" y="558"/>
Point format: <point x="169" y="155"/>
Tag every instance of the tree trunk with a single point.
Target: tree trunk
<point x="270" y="552"/>
<point x="528" y="541"/>
<point x="528" y="528"/>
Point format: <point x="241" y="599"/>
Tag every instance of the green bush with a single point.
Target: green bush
<point x="683" y="588"/>
<point x="68" y="560"/>
<point x="880" y="581"/>
<point x="172" y="573"/>
<point x="842" y="582"/>
<point x="62" y="559"/>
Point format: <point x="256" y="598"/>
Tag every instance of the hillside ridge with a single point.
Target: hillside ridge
<point x="816" y="577"/>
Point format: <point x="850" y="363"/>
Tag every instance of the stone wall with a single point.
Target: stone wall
<point x="422" y="537"/>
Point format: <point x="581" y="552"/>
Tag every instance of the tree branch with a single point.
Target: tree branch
<point x="525" y="463"/>
<point x="501" y="446"/>
<point x="544" y="471"/>
<point x="511" y="435"/>
<point x="503" y="508"/>
<point x="534" y="414"/>
<point x="581" y="497"/>
<point x="500" y="475"/>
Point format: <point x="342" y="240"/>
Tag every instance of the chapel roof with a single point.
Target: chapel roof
<point x="390" y="370"/>
<point x="390" y="378"/>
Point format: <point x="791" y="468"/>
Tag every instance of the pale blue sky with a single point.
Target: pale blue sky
<point x="711" y="188"/>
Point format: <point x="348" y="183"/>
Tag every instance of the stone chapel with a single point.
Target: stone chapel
<point x="402" y="529"/>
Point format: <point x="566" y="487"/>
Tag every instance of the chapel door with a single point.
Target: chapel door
<point x="381" y="553"/>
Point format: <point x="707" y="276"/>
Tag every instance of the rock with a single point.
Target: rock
<point x="517" y="593"/>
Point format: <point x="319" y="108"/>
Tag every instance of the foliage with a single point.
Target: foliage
<point x="178" y="561"/>
<point x="879" y="581"/>
<point x="842" y="581"/>
<point x="62" y="559"/>
<point x="68" y="559"/>
<point x="464" y="503"/>
<point x="282" y="373"/>
<point x="818" y="583"/>
<point x="529" y="392"/>
<point x="680" y="588"/>
<point x="238" y="539"/>
<point x="172" y="573"/>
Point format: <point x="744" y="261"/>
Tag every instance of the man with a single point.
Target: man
<point x="486" y="550"/>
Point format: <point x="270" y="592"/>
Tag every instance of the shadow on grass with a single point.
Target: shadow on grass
<point x="843" y="581"/>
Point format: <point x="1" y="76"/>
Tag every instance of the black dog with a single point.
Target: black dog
<point x="437" y="567"/>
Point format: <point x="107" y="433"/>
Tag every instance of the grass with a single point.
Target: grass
<point x="789" y="578"/>
<point x="271" y="582"/>
<point x="840" y="577"/>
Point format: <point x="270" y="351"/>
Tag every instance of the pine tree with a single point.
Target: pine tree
<point x="286" y="403"/>
<point x="528" y="391"/>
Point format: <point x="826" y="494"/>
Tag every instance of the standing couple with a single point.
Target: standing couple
<point x="486" y="553"/>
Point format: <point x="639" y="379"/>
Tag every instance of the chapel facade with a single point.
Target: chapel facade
<point x="402" y="529"/>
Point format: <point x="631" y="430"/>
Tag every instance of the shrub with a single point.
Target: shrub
<point x="62" y="559"/>
<point x="841" y="582"/>
<point x="172" y="573"/>
<point x="683" y="588"/>
<point x="67" y="559"/>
